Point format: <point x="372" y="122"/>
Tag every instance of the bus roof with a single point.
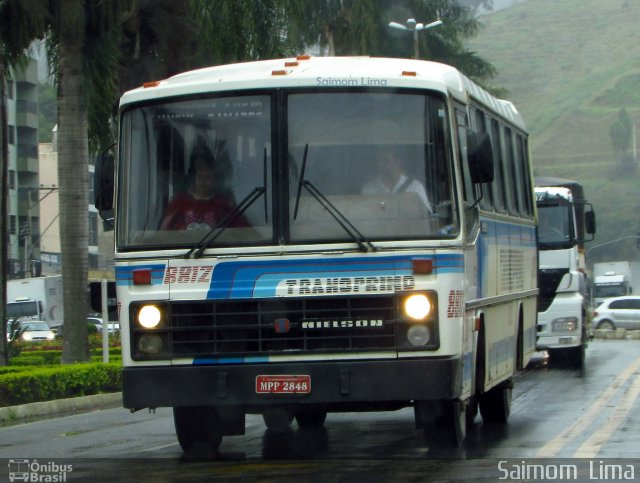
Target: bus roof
<point x="325" y="72"/>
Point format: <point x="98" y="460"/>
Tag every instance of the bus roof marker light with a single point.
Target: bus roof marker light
<point x="279" y="72"/>
<point x="146" y="85"/>
<point x="291" y="64"/>
<point x="303" y="57"/>
<point x="409" y="73"/>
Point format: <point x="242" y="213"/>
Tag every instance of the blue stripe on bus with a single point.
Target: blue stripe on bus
<point x="240" y="278"/>
<point x="244" y="279"/>
<point x="124" y="274"/>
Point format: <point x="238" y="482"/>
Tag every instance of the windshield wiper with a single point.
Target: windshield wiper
<point x="234" y="214"/>
<point x="363" y="243"/>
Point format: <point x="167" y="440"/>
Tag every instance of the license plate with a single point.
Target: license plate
<point x="298" y="384"/>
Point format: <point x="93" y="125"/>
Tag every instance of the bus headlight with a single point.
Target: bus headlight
<point x="150" y="344"/>
<point x="418" y="324"/>
<point x="419" y="335"/>
<point x="417" y="306"/>
<point x="149" y="316"/>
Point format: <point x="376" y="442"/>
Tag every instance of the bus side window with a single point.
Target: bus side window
<point x="462" y="128"/>
<point x="499" y="184"/>
<point x="487" y="192"/>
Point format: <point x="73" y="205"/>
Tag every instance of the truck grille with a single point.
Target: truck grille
<point x="548" y="281"/>
<point x="254" y="327"/>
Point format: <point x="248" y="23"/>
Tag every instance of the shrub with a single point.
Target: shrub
<point x="47" y="383"/>
<point x="28" y="360"/>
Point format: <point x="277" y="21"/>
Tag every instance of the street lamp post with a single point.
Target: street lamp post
<point x="630" y="237"/>
<point x="416" y="28"/>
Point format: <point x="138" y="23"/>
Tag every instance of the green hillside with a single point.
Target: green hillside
<point x="570" y="66"/>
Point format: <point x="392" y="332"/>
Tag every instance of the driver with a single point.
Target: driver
<point x="201" y="206"/>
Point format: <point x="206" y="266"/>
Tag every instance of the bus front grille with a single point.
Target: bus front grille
<point x="282" y="326"/>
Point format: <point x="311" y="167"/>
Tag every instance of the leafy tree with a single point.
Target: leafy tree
<point x="360" y="27"/>
<point x="81" y="35"/>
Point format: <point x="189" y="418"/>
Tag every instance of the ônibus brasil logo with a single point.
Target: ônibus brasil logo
<point x="34" y="471"/>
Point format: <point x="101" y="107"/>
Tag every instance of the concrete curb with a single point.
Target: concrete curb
<point x="16" y="414"/>
<point x="617" y="334"/>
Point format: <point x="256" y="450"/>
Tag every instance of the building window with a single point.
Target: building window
<point x="12" y="225"/>
<point x="12" y="135"/>
<point x="12" y="179"/>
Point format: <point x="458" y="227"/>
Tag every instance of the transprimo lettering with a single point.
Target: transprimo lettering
<point x="346" y="285"/>
<point x="188" y="274"/>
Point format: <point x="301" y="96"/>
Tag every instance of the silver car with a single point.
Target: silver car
<point x="617" y="313"/>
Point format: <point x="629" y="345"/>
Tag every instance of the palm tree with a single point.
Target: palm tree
<point x="73" y="154"/>
<point x="72" y="27"/>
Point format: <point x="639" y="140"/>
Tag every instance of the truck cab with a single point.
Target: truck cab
<point x="564" y="222"/>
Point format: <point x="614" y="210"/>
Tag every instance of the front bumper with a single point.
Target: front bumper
<point x="333" y="383"/>
<point x="558" y="342"/>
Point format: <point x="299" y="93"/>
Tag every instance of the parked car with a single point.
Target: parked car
<point x="617" y="313"/>
<point x="30" y="331"/>
<point x="97" y="321"/>
<point x="94" y="324"/>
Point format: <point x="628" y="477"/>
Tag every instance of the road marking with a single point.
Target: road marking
<point x="554" y="446"/>
<point x="156" y="448"/>
<point x="590" y="448"/>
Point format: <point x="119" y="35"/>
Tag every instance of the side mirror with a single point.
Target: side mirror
<point x="103" y="182"/>
<point x="590" y="222"/>
<point x="480" y="157"/>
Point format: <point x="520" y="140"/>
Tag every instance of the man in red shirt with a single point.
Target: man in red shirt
<point x="200" y="207"/>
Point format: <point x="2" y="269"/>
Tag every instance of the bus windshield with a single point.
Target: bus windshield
<point x="22" y="309"/>
<point x="378" y="159"/>
<point x="555" y="225"/>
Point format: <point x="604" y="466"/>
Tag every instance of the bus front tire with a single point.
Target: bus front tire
<point x="311" y="420"/>
<point x="277" y="420"/>
<point x="444" y="423"/>
<point x="495" y="404"/>
<point x="197" y="429"/>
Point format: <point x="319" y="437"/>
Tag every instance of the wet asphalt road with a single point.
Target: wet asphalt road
<point x="558" y="418"/>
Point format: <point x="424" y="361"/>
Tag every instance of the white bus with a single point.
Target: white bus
<point x="371" y="245"/>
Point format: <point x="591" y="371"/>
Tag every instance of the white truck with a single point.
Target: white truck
<point x="613" y="279"/>
<point x="38" y="298"/>
<point x="565" y="222"/>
